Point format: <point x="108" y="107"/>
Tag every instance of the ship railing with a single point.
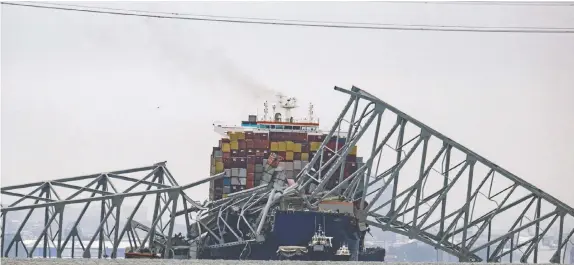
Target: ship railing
<point x="224" y="129"/>
<point x="304" y="120"/>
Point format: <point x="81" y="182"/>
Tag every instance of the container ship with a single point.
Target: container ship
<point x="255" y="210"/>
<point x="259" y="151"/>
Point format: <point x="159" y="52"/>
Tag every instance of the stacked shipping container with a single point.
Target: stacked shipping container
<point x="242" y="157"/>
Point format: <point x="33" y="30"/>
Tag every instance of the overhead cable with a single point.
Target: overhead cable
<point x="298" y="23"/>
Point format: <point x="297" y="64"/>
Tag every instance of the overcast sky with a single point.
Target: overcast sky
<point x="80" y="92"/>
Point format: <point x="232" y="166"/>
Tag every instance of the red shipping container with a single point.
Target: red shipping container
<point x="242" y="163"/>
<point x="250" y="176"/>
<point x="348" y="172"/>
<point x="234" y="153"/>
<point x="296" y="156"/>
<point x="256" y="143"/>
<point x="242" y="144"/>
<point x="242" y="153"/>
<point x="311" y="138"/>
<point x="227" y="163"/>
<point x="351" y="158"/>
<point x="225" y="140"/>
<point x="304" y="137"/>
<point x="250" y="159"/>
<point x="250" y="168"/>
<point x="249" y="135"/>
<point x="249" y="144"/>
<point x="226" y="155"/>
<point x="250" y="184"/>
<point x="250" y="152"/>
<point x="305" y="148"/>
<point x="282" y="154"/>
<point x="261" y="136"/>
<point x="258" y="153"/>
<point x="351" y="165"/>
<point x="327" y="155"/>
<point x="331" y="145"/>
<point x="265" y="144"/>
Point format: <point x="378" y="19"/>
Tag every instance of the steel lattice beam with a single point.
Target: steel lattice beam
<point x="458" y="230"/>
<point x="416" y="181"/>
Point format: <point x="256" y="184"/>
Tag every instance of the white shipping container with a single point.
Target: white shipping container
<point x="288" y="166"/>
<point x="227" y="172"/>
<point x="243" y="181"/>
<point x="258" y="168"/>
<point x="242" y="172"/>
<point x="235" y="172"/>
<point x="297" y="165"/>
<point x="282" y="165"/>
<point x="235" y="181"/>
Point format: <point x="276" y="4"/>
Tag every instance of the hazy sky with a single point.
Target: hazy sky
<point x="80" y="91"/>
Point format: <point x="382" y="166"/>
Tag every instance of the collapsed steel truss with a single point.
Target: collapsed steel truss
<point x="456" y="206"/>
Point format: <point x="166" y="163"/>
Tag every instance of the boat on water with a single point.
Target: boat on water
<point x="271" y="151"/>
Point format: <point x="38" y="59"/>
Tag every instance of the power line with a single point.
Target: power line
<point x="299" y="23"/>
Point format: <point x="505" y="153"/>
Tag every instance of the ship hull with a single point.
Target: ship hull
<point x="295" y="228"/>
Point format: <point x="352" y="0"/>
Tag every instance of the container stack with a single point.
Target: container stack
<point x="243" y="155"/>
<point x="293" y="147"/>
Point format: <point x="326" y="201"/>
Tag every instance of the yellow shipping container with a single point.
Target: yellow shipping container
<point x="232" y="136"/>
<point x="224" y="195"/>
<point x="240" y="135"/>
<point x="315" y="146"/>
<point x="305" y="156"/>
<point x="234" y="145"/>
<point x="274" y="146"/>
<point x="226" y="148"/>
<point x="297" y="148"/>
<point x="289" y="146"/>
<point x="282" y="147"/>
<point x="353" y="151"/>
<point x="218" y="167"/>
<point x="289" y="156"/>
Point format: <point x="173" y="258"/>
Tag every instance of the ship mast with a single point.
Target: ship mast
<point x="310" y="112"/>
<point x="287" y="104"/>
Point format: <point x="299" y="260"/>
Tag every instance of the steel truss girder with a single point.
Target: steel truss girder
<point x="456" y="224"/>
<point x="158" y="181"/>
<point x="212" y="227"/>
